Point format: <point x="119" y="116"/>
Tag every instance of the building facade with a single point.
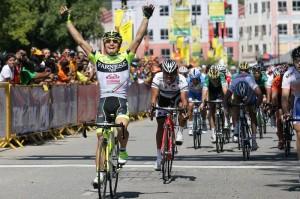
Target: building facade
<point x="269" y="28"/>
<point x="158" y="29"/>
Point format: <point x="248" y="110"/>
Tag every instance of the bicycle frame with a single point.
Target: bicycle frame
<point x="168" y="124"/>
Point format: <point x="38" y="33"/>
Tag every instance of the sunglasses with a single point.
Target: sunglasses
<point x="115" y="41"/>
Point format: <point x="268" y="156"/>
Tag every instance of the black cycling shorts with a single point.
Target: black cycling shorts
<point x="110" y="108"/>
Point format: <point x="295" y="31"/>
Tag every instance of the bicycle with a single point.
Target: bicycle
<point x="197" y="122"/>
<point x="108" y="158"/>
<point x="168" y="144"/>
<point x="288" y="133"/>
<point x="261" y="121"/>
<point x="244" y="131"/>
<point x="219" y="128"/>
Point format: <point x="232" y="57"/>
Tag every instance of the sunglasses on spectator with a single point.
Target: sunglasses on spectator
<point x="115" y="41"/>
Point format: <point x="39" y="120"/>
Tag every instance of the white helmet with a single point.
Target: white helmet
<point x="221" y="68"/>
<point x="169" y="66"/>
<point x="195" y="73"/>
<point x="183" y="69"/>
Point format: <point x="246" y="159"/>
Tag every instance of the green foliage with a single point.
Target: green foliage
<point x="26" y="23"/>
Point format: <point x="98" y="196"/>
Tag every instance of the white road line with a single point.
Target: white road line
<point x="151" y="166"/>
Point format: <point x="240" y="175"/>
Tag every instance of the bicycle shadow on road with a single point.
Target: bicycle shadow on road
<point x="134" y="194"/>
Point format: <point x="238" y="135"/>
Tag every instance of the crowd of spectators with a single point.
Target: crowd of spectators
<point x="46" y="67"/>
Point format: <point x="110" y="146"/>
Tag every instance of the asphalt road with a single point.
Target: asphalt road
<point x="64" y="169"/>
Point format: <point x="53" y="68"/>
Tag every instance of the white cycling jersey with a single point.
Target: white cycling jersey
<point x="169" y="90"/>
<point x="291" y="80"/>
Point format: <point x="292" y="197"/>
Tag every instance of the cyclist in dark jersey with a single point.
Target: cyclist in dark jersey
<point x="214" y="87"/>
<point x="261" y="80"/>
<point x="112" y="69"/>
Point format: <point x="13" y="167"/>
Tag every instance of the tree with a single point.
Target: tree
<point x="27" y="23"/>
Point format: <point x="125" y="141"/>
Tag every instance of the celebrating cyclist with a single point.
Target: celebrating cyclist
<point x="244" y="89"/>
<point x="291" y="86"/>
<point x="167" y="90"/>
<point x="112" y="70"/>
<point x="195" y="84"/>
<point x="214" y="88"/>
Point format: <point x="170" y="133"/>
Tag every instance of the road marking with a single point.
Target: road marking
<point x="151" y="166"/>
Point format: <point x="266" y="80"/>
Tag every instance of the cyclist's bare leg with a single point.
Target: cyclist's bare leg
<point x="159" y="132"/>
<point x="101" y="166"/>
<point x="125" y="122"/>
<point x="278" y="114"/>
<point x="297" y="129"/>
<point x="190" y="111"/>
<point x="212" y="111"/>
<point x="252" y="114"/>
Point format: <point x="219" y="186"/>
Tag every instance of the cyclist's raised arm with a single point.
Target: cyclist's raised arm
<point x="147" y="10"/>
<point x="74" y="32"/>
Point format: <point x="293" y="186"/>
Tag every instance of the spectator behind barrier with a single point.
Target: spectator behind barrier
<point x="28" y="74"/>
<point x="7" y="72"/>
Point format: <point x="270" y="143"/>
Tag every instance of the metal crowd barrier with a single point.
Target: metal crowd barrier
<point x="29" y="110"/>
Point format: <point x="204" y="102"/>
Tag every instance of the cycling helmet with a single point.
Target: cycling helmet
<point x="256" y="67"/>
<point x="222" y="68"/>
<point x="213" y="72"/>
<point x="183" y="69"/>
<point x="276" y="71"/>
<point x="195" y="73"/>
<point x="244" y="66"/>
<point x="112" y="35"/>
<point x="169" y="66"/>
<point x="296" y="53"/>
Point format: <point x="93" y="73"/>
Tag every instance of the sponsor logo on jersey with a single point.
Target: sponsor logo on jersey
<point x="119" y="67"/>
<point x="113" y="79"/>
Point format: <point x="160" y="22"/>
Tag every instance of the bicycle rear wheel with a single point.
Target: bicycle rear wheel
<point x="287" y="139"/>
<point x="102" y="171"/>
<point x="114" y="167"/>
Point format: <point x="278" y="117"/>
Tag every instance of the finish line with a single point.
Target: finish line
<point x="151" y="166"/>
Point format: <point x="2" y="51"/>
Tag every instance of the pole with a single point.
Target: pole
<point x="278" y="44"/>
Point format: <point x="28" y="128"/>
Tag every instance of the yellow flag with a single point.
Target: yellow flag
<point x="126" y="31"/>
<point x="118" y="17"/>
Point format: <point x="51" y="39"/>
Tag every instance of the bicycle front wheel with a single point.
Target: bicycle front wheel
<point x="102" y="171"/>
<point x="114" y="167"/>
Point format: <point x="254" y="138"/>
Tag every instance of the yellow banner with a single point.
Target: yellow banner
<point x="118" y="17"/>
<point x="216" y="11"/>
<point x="126" y="31"/>
<point x="182" y="22"/>
<point x="196" y="47"/>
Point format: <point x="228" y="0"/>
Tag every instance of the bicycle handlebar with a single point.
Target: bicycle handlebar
<point x="101" y="125"/>
<point x="217" y="101"/>
<point x="168" y="109"/>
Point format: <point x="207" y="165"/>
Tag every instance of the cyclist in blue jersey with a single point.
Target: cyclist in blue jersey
<point x="244" y="89"/>
<point x="112" y="69"/>
<point x="195" y="84"/>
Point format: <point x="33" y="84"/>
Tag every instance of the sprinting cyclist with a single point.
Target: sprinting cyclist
<point x="291" y="87"/>
<point x="167" y="89"/>
<point x="195" y="84"/>
<point x="278" y="72"/>
<point x="113" y="76"/>
<point x="244" y="89"/>
<point x="214" y="88"/>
